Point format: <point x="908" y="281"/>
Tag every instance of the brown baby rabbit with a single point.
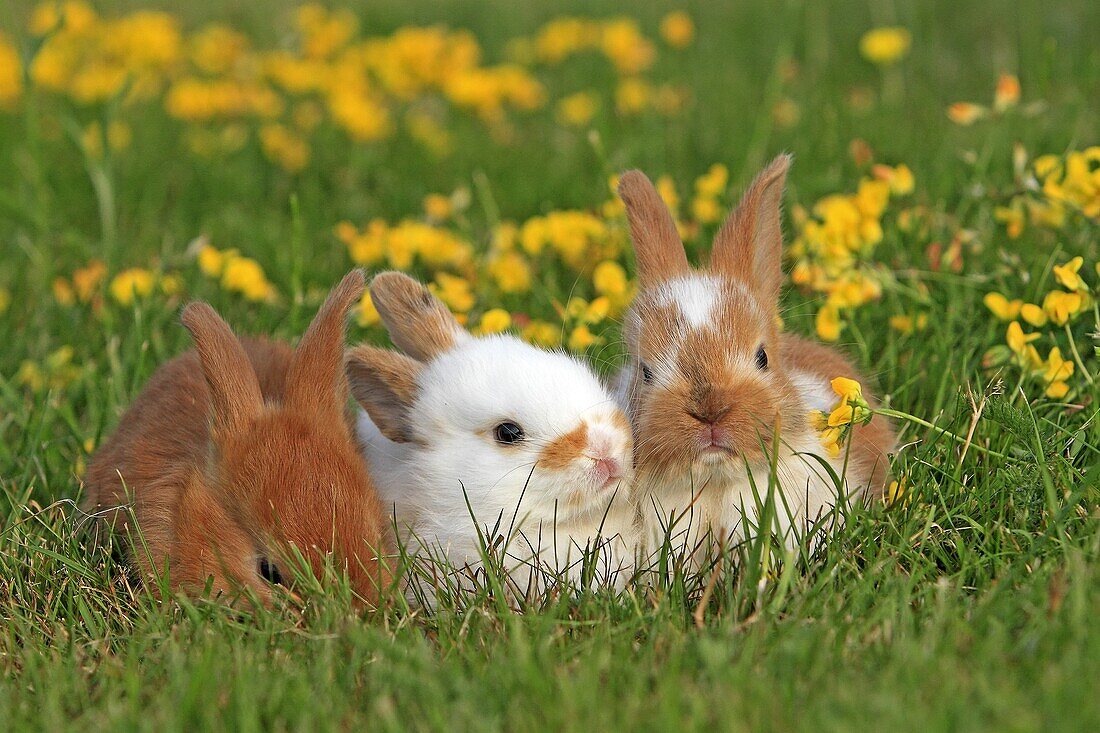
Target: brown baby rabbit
<point x="238" y="455"/>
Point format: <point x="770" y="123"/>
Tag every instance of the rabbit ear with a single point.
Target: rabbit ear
<point x="384" y="383"/>
<point x="749" y="246"/>
<point x="235" y="396"/>
<point x="418" y="322"/>
<point x="315" y="381"/>
<point x="657" y="245"/>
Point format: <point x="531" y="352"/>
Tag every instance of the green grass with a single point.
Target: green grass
<point x="973" y="606"/>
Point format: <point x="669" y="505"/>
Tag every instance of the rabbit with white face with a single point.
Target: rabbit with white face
<point x="712" y="381"/>
<point x="530" y="439"/>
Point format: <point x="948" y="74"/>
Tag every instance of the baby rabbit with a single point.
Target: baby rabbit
<point x="238" y="455"/>
<point x="712" y="381"/>
<point x="530" y="438"/>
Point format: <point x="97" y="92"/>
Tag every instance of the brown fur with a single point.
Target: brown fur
<point x="700" y="390"/>
<point x="657" y="245"/>
<point x="564" y="449"/>
<point x="418" y="322"/>
<point x="242" y="449"/>
<point x="384" y="382"/>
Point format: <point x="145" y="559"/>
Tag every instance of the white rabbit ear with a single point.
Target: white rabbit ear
<point x="418" y="322"/>
<point x="749" y="246"/>
<point x="384" y="382"/>
<point x="657" y="246"/>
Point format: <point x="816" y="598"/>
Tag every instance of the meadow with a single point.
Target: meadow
<point x="941" y="222"/>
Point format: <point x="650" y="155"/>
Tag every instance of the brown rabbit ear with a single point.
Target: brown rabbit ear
<point x="418" y="322"/>
<point x="315" y="380"/>
<point x="384" y="383"/>
<point x="657" y="245"/>
<point x="749" y="246"/>
<point x="235" y="396"/>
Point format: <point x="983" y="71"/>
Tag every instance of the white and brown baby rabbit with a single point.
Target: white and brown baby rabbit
<point x="530" y="439"/>
<point x="237" y="456"/>
<point x="712" y="380"/>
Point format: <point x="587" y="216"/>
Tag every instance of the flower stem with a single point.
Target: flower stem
<point x="1076" y="355"/>
<point x="886" y="412"/>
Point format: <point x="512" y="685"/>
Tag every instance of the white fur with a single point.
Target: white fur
<point x="696" y="296"/>
<point x="552" y="514"/>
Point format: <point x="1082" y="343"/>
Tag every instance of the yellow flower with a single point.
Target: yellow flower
<point x="677" y="29"/>
<point x="965" y="113"/>
<point x="1055" y="368"/>
<point x="1012" y="217"/>
<point x="831" y="439"/>
<point x="896" y="492"/>
<point x="581" y="338"/>
<point x="366" y="314"/>
<point x="1007" y="94"/>
<point x="578" y="109"/>
<point x="437" y="207"/>
<point x="1057" y="390"/>
<point x="494" y="320"/>
<point x="885" y="46"/>
<point x="900" y="178"/>
<point x="1062" y="307"/>
<point x="1067" y="276"/>
<point x="712" y="184"/>
<point x="1001" y="307"/>
<point x="827" y="323"/>
<point x="909" y="324"/>
<point x="455" y="291"/>
<point x="285" y="147"/>
<point x="86" y="279"/>
<point x="212" y="261"/>
<point x="62" y="291"/>
<point x="542" y="333"/>
<point x="666" y="187"/>
<point x="510" y="272"/>
<point x="130" y="284"/>
<point x="1033" y="314"/>
<point x="848" y="414"/>
<point x="632" y="96"/>
<point x="11" y="74"/>
<point x="609" y="278"/>
<point x="706" y="210"/>
<point x="1016" y="338"/>
<point x="245" y="275"/>
<point x="849" y="390"/>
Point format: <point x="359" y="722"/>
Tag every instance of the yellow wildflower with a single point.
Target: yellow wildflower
<point x="1067" y="276"/>
<point x="578" y="109"/>
<point x="366" y="314"/>
<point x="1033" y="314"/>
<point x="706" y="210"/>
<point x="212" y="261"/>
<point x="897" y="492"/>
<point x="62" y="291"/>
<point x="1057" y="390"/>
<point x="713" y="183"/>
<point x="1007" y="93"/>
<point x="245" y="275"/>
<point x="171" y="284"/>
<point x="909" y="324"/>
<point x="885" y="46"/>
<point x="827" y="323"/>
<point x="1055" y="368"/>
<point x="831" y="438"/>
<point x="632" y="96"/>
<point x="1061" y="307"/>
<point x="609" y="278"/>
<point x="677" y="29"/>
<point x="542" y="333"/>
<point x="582" y="338"/>
<point x="285" y="147"/>
<point x="11" y="73"/>
<point x="965" y="113"/>
<point x="849" y="390"/>
<point x="455" y="291"/>
<point x="135" y="282"/>
<point x="1016" y="338"/>
<point x="494" y="320"/>
<point x="666" y="187"/>
<point x="510" y="272"/>
<point x="437" y="207"/>
<point x="1001" y="307"/>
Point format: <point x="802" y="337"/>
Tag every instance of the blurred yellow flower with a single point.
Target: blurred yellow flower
<point x="1017" y="339"/>
<point x="284" y="147"/>
<point x="510" y="272"/>
<point x="86" y="279"/>
<point x="542" y="333"/>
<point x="965" y="113"/>
<point x="885" y="46"/>
<point x="366" y="314"/>
<point x="706" y="210"/>
<point x="130" y="284"/>
<point x="609" y="278"/>
<point x="827" y="324"/>
<point x="1061" y="307"/>
<point x="245" y="276"/>
<point x="1067" y="276"/>
<point x="677" y="29"/>
<point x="438" y="207"/>
<point x="1007" y="93"/>
<point x="1033" y="314"/>
<point x="578" y="109"/>
<point x="494" y="320"/>
<point x="11" y="73"/>
<point x="455" y="291"/>
<point x="1001" y="307"/>
<point x="582" y="338"/>
<point x="712" y="184"/>
<point x="909" y="324"/>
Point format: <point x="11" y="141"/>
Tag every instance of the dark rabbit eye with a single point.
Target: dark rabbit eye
<point x="647" y="374"/>
<point x="269" y="572"/>
<point x="508" y="433"/>
<point x="761" y="358"/>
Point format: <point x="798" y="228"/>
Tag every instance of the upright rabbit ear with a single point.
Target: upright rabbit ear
<point x="235" y="396"/>
<point x="749" y="246"/>
<point x="315" y="381"/>
<point x="657" y="245"/>
<point x="384" y="383"/>
<point x="418" y="322"/>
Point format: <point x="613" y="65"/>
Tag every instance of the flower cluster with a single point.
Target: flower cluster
<point x="236" y="273"/>
<point x="851" y="409"/>
<point x="1053" y="187"/>
<point x="1060" y="308"/>
<point x="834" y="245"/>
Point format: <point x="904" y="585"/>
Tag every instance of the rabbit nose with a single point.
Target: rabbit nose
<point x="709" y="412"/>
<point x="608" y="470"/>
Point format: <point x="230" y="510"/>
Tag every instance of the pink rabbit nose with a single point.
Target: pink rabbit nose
<point x="608" y="470"/>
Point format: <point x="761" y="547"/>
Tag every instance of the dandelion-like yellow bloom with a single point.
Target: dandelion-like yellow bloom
<point x="582" y="339"/>
<point x="130" y="284"/>
<point x="511" y="272"/>
<point x="245" y="276"/>
<point x="609" y="278"/>
<point x="456" y="292"/>
<point x="578" y="109"/>
<point x="677" y="29"/>
<point x="438" y="207"/>
<point x="494" y="320"/>
<point x="885" y="46"/>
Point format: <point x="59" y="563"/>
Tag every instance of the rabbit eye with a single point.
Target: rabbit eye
<point x="647" y="374"/>
<point x="508" y="433"/>
<point x="269" y="572"/>
<point x="761" y="358"/>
